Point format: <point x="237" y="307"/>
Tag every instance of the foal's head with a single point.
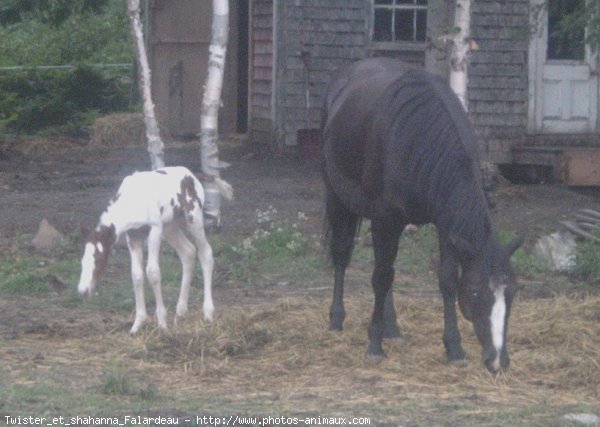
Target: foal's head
<point x="485" y="293"/>
<point x="97" y="248"/>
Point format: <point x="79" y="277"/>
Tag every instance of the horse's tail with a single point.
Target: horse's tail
<point x="341" y="228"/>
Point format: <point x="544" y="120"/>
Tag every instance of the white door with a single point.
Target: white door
<point x="563" y="74"/>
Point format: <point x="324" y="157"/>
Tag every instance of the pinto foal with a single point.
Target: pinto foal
<point x="152" y="205"/>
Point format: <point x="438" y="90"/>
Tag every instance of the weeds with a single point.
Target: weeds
<point x="275" y="249"/>
<point x="587" y="260"/>
<point x="525" y="263"/>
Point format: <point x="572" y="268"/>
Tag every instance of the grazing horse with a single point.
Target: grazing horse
<point x="399" y="149"/>
<point x="152" y="205"/>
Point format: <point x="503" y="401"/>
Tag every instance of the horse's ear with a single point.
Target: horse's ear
<point x="515" y="243"/>
<point x="464" y="248"/>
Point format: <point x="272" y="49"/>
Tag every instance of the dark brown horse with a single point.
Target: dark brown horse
<point x="399" y="149"/>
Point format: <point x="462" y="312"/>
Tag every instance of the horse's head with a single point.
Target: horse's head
<point x="97" y="248"/>
<point x="485" y="294"/>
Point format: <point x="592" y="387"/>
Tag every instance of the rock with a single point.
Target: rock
<point x="557" y="250"/>
<point x="47" y="237"/>
<point x="583" y="419"/>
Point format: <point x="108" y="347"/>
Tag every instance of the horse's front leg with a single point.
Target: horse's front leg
<point x="390" y="328"/>
<point x="448" y="282"/>
<point x="386" y="234"/>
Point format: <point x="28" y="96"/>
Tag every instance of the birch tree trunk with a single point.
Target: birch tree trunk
<point x="211" y="101"/>
<point x="459" y="56"/>
<point x="155" y="143"/>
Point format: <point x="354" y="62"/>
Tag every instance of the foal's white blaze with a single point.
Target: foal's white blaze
<point x="497" y="322"/>
<point x="87" y="270"/>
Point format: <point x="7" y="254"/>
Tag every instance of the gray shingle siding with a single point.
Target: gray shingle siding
<point x="498" y="70"/>
<point x="332" y="33"/>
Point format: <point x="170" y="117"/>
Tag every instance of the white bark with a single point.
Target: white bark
<point x="459" y="56"/>
<point x="211" y="101"/>
<point x="155" y="143"/>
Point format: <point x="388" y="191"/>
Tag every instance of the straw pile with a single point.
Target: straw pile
<point x="285" y="350"/>
<point x="281" y="351"/>
<point x="119" y="129"/>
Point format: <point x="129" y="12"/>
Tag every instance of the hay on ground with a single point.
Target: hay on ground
<point x="282" y="351"/>
<point x="119" y="129"/>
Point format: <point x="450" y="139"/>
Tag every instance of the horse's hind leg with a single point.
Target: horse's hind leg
<point x="386" y="233"/>
<point x="342" y="225"/>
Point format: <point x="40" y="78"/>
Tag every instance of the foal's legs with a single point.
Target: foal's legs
<point x="205" y="256"/>
<point x="342" y="224"/>
<point x="153" y="274"/>
<point x="187" y="255"/>
<point x="386" y="233"/>
<point x="136" y="253"/>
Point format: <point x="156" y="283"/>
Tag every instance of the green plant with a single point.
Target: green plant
<point x="587" y="260"/>
<point x="116" y="383"/>
<point x="62" y="32"/>
<point x="34" y="100"/>
<point x="19" y="275"/>
<point x="524" y="262"/>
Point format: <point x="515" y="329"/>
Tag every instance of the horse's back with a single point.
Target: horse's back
<point x="351" y="101"/>
<point x="386" y="129"/>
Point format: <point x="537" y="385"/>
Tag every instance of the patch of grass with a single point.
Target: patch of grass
<point x="276" y="251"/>
<point x="116" y="383"/>
<point x="524" y="262"/>
<point x="587" y="260"/>
<point x="418" y="251"/>
<point x="23" y="275"/>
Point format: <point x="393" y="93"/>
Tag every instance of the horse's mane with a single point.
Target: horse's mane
<point x="431" y="156"/>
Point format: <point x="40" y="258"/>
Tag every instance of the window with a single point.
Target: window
<point x="399" y="20"/>
<point x="566" y="29"/>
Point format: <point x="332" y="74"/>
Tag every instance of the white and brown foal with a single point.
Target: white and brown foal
<point x="153" y="205"/>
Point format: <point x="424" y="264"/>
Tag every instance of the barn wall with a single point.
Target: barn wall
<point x="498" y="70"/>
<point x="179" y="36"/>
<point x="318" y="37"/>
<point x="260" y="93"/>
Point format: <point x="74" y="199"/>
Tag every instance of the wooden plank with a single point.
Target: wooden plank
<point x="579" y="166"/>
<point x="543" y="156"/>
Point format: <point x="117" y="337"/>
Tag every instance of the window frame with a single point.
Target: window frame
<point x="402" y="45"/>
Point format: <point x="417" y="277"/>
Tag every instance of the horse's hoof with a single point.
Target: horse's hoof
<point x="456" y="356"/>
<point x="459" y="363"/>
<point x="391" y="331"/>
<point x="399" y="341"/>
<point x="375" y="359"/>
<point x="336" y="327"/>
<point x="458" y="359"/>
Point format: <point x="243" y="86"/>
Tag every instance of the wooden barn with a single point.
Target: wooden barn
<point x="533" y="96"/>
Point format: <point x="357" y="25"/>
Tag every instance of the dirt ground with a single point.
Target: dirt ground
<point x="69" y="183"/>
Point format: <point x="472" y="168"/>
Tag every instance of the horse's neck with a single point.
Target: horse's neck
<point x="468" y="218"/>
